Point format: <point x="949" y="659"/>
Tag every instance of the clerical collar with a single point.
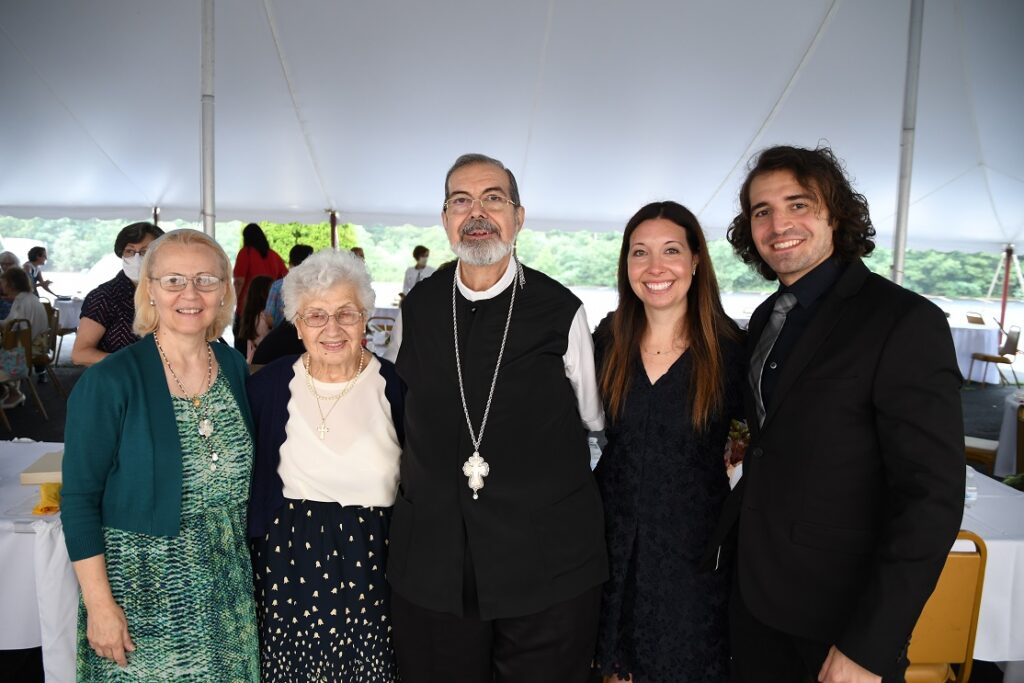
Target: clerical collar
<point x="814" y="284"/>
<point x="494" y="290"/>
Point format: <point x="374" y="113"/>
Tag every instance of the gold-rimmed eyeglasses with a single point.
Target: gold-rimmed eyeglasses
<point x="204" y="282"/>
<point x="317" y="317"/>
<point x="463" y="203"/>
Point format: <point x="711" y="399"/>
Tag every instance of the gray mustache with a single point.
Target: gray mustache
<point x="478" y="224"/>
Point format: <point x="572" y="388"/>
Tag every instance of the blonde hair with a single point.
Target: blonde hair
<point x="146" y="320"/>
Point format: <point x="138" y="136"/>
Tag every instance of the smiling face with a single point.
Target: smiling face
<point x="333" y="344"/>
<point x="789" y="225"/>
<point x="660" y="264"/>
<point x="188" y="312"/>
<point x="481" y="237"/>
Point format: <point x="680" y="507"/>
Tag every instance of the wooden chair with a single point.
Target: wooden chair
<point x="17" y="333"/>
<point x="378" y="331"/>
<point x="49" y="358"/>
<point x="944" y="634"/>
<point x="1006" y="354"/>
<point x="1020" y="440"/>
<point x="975" y="318"/>
<point x="981" y="452"/>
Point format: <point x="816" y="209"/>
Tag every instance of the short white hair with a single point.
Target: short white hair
<point x="322" y="271"/>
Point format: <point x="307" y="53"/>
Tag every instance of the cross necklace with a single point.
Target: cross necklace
<point x="476" y="468"/>
<point x="322" y="429"/>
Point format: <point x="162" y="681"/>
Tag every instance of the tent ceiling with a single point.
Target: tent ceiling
<point x="597" y="107"/>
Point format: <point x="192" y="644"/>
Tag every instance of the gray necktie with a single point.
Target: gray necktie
<point x="769" y="335"/>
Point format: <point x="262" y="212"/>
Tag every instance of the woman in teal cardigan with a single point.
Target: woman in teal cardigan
<point x="157" y="464"/>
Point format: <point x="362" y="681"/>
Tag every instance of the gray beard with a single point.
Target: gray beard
<point x="483" y="253"/>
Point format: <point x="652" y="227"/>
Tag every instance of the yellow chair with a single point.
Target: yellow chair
<point x="944" y="635"/>
<point x="17" y="332"/>
<point x="981" y="452"/>
<point x="1005" y="355"/>
<point x="48" y="359"/>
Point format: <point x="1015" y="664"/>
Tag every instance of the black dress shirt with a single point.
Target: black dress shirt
<point x="809" y="291"/>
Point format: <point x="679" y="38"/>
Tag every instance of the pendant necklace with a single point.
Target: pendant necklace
<point x="323" y="428"/>
<point x="476" y="468"/>
<point x="205" y="424"/>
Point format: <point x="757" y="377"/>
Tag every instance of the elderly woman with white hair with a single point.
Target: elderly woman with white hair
<point x="328" y="439"/>
<point x="157" y="466"/>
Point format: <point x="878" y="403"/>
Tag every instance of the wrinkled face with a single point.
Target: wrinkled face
<point x="789" y="225"/>
<point x="660" y="264"/>
<point x="481" y="237"/>
<point x="334" y="343"/>
<point x="4" y="265"/>
<point x="188" y="312"/>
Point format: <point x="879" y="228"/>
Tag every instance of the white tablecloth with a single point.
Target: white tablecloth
<point x="38" y="589"/>
<point x="70" y="311"/>
<point x="998" y="517"/>
<point x="1006" y="454"/>
<point x="969" y="338"/>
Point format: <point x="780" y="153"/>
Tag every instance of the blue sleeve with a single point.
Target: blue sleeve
<point x="92" y="436"/>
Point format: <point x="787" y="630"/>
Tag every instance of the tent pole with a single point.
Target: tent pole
<point x="1006" y="286"/>
<point x="899" y="242"/>
<point x="207" y="181"/>
<point x="156" y="215"/>
<point x="334" y="229"/>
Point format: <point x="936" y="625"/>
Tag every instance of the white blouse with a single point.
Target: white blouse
<point x="357" y="461"/>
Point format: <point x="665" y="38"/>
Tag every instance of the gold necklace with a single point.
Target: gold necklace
<point x="323" y="428"/>
<point x="205" y="424"/>
<point x="195" y="400"/>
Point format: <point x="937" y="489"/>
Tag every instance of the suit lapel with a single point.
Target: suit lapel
<point x="831" y="310"/>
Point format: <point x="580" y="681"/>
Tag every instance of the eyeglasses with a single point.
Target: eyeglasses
<point x="317" y="317"/>
<point x="130" y="253"/>
<point x="462" y="203"/>
<point x="203" y="282"/>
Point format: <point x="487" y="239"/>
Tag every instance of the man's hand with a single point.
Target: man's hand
<point x="838" y="668"/>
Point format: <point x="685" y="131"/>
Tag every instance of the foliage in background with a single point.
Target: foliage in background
<point x="574" y="258"/>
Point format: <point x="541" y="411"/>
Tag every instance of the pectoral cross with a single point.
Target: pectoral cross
<point x="323" y="429"/>
<point x="476" y="468"/>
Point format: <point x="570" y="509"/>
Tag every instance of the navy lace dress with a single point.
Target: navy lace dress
<point x="663" y="485"/>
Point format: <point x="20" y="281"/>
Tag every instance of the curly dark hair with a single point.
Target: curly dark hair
<point x="818" y="171"/>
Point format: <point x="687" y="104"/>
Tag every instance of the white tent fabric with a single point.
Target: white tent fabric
<point x="598" y="107"/>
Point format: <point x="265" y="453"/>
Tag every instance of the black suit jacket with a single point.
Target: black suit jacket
<point x="852" y="490"/>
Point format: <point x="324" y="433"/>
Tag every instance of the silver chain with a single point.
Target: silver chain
<point x="477" y="439"/>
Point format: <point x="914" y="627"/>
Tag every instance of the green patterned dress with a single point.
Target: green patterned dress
<point x="189" y="599"/>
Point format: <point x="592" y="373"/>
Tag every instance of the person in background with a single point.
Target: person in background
<point x="157" y="467"/>
<point x="255" y="258"/>
<point x="7" y="260"/>
<point x="328" y="439"/>
<point x="14" y="283"/>
<point x="108" y="312"/>
<point x="358" y="251"/>
<point x="253" y="327"/>
<point x="274" y="310"/>
<point x="853" y="482"/>
<point x="420" y="271"/>
<point x="34" y="269"/>
<point x="670" y="369"/>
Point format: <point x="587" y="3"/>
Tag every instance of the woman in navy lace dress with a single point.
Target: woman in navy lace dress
<point x="669" y="367"/>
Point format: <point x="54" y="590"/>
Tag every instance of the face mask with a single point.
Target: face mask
<point x="131" y="266"/>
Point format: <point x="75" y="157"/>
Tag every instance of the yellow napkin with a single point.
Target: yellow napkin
<point x="49" y="500"/>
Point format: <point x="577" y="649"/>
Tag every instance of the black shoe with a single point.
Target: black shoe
<point x="41" y="378"/>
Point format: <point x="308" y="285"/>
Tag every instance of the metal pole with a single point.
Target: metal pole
<point x="1006" y="287"/>
<point x="899" y="241"/>
<point x="156" y="215"/>
<point x="334" y="229"/>
<point x="207" y="181"/>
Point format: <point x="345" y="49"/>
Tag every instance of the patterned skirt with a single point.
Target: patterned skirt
<point x="322" y="598"/>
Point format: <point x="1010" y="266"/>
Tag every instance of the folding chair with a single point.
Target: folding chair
<point x="378" y="332"/>
<point x="17" y="335"/>
<point x="1006" y="354"/>
<point x="48" y="359"/>
<point x="944" y="634"/>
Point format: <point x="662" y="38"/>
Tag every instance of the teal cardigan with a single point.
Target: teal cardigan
<point x="122" y="454"/>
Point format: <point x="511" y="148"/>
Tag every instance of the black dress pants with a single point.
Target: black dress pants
<point x="762" y="654"/>
<point x="555" y="645"/>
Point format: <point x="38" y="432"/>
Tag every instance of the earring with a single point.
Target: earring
<point x="694" y="272"/>
<point x="152" y="303"/>
<point x="222" y="302"/>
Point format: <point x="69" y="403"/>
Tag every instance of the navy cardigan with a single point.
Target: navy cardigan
<point x="268" y="397"/>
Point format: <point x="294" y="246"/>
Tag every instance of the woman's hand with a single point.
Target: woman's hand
<point x="107" y="631"/>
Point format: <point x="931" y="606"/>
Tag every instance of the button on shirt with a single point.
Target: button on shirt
<point x="809" y="291"/>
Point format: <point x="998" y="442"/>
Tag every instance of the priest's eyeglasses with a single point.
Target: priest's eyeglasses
<point x="317" y="317"/>
<point x="463" y="203"/>
<point x="204" y="282"/>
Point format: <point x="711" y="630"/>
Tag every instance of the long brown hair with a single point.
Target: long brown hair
<point x="706" y="323"/>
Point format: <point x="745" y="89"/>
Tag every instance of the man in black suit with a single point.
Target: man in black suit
<point x="852" y="490"/>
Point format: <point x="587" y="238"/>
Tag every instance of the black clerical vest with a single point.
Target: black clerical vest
<point x="536" y="534"/>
